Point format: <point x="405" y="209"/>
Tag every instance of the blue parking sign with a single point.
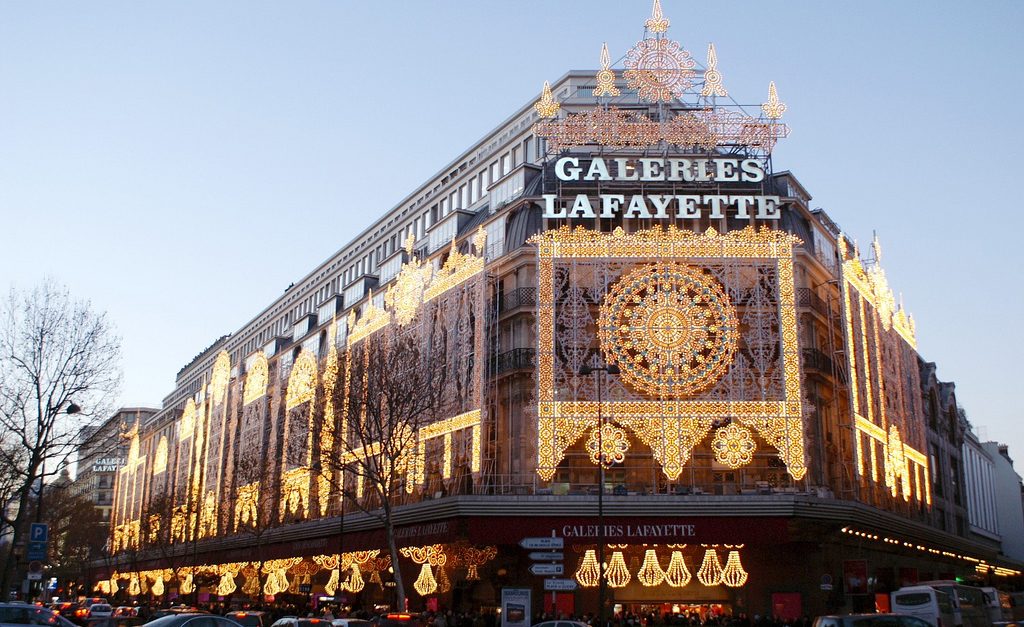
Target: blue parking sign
<point x="40" y="532"/>
<point x="36" y="552"/>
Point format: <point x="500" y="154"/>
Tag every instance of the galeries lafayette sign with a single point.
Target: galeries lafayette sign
<point x="725" y="174"/>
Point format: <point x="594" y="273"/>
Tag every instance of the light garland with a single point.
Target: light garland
<point x="226" y="585"/>
<point x="355" y="580"/>
<point x="160" y="457"/>
<point x="588" y="571"/>
<point x="733" y="574"/>
<point x="710" y="573"/>
<point x="157" y="589"/>
<point x="733" y="446"/>
<point x="677" y="574"/>
<point x="443" y="583"/>
<point x="256" y="379"/>
<point x="302" y="381"/>
<point x="607" y="445"/>
<point x="617" y="574"/>
<point x="220" y="378"/>
<point x="187" y="587"/>
<point x="650" y="573"/>
<point x="659" y="69"/>
<point x="134" y="589"/>
<point x="425" y="584"/>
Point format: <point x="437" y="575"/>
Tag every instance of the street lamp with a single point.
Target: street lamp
<point x="602" y="583"/>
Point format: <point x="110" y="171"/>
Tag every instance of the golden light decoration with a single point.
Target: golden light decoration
<point x="295" y="492"/>
<point x="546" y="107"/>
<point x="710" y="573"/>
<point x="712" y="77"/>
<point x="425" y="584"/>
<point x="733" y="445"/>
<point x="157" y="589"/>
<point x="256" y="379"/>
<point x="779" y="420"/>
<point x="187" y="587"/>
<point x="160" y="457"/>
<point x="605" y="76"/>
<point x="443" y="583"/>
<point x="670" y="328"/>
<point x="113" y="587"/>
<point x="355" y="580"/>
<point x="457" y="269"/>
<point x="733" y="575"/>
<point x="659" y="69"/>
<point x="187" y="422"/>
<point x="134" y="589"/>
<point x="677" y="574"/>
<point x="226" y="585"/>
<point x="774" y="108"/>
<point x="588" y="571"/>
<point x="302" y="380"/>
<point x="657" y="23"/>
<point x="608" y="444"/>
<point x="617" y="574"/>
<point x="333" y="582"/>
<point x="473" y="558"/>
<point x="220" y="378"/>
<point x="650" y="573"/>
<point x="246" y="505"/>
<point x="405" y="295"/>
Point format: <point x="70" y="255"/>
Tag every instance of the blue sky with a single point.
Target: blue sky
<point x="180" y="163"/>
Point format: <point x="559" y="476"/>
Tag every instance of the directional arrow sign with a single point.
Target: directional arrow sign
<point x="560" y="585"/>
<point x="547" y="569"/>
<point x="547" y="557"/>
<point x="542" y="543"/>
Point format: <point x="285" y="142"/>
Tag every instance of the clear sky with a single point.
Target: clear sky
<point x="180" y="163"/>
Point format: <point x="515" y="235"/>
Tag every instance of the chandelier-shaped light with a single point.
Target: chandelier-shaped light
<point x="588" y="572"/>
<point x="134" y="589"/>
<point x="710" y="573"/>
<point x="355" y="580"/>
<point x="332" y="583"/>
<point x="251" y="586"/>
<point x="187" y="587"/>
<point x="443" y="583"/>
<point x="733" y="575"/>
<point x="425" y="584"/>
<point x="158" y="586"/>
<point x="677" y="574"/>
<point x="650" y="573"/>
<point x="226" y="585"/>
<point x="617" y="574"/>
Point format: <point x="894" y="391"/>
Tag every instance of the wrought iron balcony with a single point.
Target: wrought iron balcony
<point x="805" y="297"/>
<point x="814" y="359"/>
<point x="515" y="359"/>
<point x="519" y="297"/>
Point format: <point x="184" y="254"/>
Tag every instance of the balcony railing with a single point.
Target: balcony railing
<point x="515" y="359"/>
<point x="519" y="297"/>
<point x="805" y="297"/>
<point x="814" y="359"/>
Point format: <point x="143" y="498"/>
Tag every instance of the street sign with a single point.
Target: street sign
<point x="40" y="532"/>
<point x="35" y="576"/>
<point x="560" y="585"/>
<point x="36" y="551"/>
<point x="35" y="567"/>
<point x="547" y="569"/>
<point x="547" y="557"/>
<point x="542" y="543"/>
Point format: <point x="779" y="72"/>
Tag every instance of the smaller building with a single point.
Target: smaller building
<point x="101" y="452"/>
<point x="981" y="497"/>
<point x="1009" y="500"/>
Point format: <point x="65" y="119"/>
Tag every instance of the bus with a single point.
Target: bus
<point x="969" y="607"/>
<point x="930" y="605"/>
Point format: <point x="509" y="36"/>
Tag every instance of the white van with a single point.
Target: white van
<point x="998" y="605"/>
<point x="930" y="605"/>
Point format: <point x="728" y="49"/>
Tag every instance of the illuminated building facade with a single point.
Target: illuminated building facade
<point x="769" y="400"/>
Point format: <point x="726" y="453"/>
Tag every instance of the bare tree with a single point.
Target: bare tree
<point x="398" y="381"/>
<point x="56" y="354"/>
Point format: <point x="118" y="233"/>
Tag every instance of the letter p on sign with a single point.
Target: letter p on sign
<point x="40" y="532"/>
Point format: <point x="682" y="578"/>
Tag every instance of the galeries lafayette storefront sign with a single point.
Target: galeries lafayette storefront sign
<point x="739" y="177"/>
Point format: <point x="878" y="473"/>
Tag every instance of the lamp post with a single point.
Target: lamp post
<point x="602" y="583"/>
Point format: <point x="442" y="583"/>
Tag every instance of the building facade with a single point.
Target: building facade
<point x="102" y="451"/>
<point x="1008" y="497"/>
<point x="609" y="322"/>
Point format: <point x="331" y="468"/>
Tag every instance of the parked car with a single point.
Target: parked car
<point x="100" y="610"/>
<point x="295" y="621"/>
<point x="397" y="619"/>
<point x="21" y="614"/>
<point x="192" y="620"/>
<point x="351" y="622"/>
<point x="561" y="623"/>
<point x="250" y="618"/>
<point x="871" y="620"/>
<point x="174" y="610"/>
